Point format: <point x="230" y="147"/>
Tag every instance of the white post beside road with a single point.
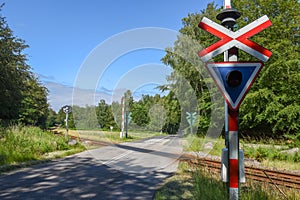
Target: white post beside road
<point x="123" y="118"/>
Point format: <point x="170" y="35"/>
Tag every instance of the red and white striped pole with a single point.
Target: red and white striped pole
<point x="123" y="118"/>
<point x="227" y="4"/>
<point x="228" y="17"/>
<point x="233" y="151"/>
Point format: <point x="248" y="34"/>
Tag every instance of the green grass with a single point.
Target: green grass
<point x="271" y="154"/>
<point x="112" y="137"/>
<point x="23" y="146"/>
<point x="263" y="151"/>
<point x="208" y="186"/>
<point x="20" y="144"/>
<point x="192" y="182"/>
<point x="179" y="186"/>
<point x="195" y="143"/>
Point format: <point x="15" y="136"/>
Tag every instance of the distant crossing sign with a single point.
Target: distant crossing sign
<point x="191" y="118"/>
<point x="67" y="109"/>
<point x="234" y="79"/>
<point x="239" y="39"/>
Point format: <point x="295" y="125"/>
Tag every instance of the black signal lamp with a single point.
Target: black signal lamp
<point x="234" y="78"/>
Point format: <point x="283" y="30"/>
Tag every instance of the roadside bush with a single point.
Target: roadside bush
<point x="19" y="144"/>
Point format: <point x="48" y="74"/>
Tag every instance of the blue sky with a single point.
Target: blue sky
<point x="63" y="34"/>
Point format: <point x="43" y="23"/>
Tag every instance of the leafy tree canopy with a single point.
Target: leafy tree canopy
<point x="23" y="98"/>
<point x="272" y="106"/>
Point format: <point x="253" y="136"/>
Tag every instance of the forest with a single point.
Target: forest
<point x="271" y="109"/>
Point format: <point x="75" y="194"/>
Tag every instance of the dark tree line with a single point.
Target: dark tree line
<point x="23" y="98"/>
<point x="153" y="113"/>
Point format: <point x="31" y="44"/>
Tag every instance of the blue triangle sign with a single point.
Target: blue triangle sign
<point x="234" y="95"/>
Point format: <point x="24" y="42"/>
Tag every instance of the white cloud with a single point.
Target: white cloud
<point x="60" y="95"/>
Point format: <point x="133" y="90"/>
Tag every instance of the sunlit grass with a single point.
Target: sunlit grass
<point x="193" y="182"/>
<point x="20" y="144"/>
<point x="179" y="186"/>
<point x="270" y="153"/>
<point x="196" y="144"/>
<point x="111" y="136"/>
<point x="284" y="165"/>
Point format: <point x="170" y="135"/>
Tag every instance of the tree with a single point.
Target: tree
<point x="85" y="118"/>
<point x="104" y="115"/>
<point x="14" y="71"/>
<point x="272" y="106"/>
<point x="22" y="98"/>
<point x="140" y="114"/>
<point x="190" y="80"/>
<point x="158" y="117"/>
<point x="128" y="100"/>
<point x="116" y="108"/>
<point x="51" y="120"/>
<point x="172" y="107"/>
<point x="34" y="106"/>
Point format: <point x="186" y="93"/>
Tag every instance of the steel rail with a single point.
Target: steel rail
<point x="281" y="178"/>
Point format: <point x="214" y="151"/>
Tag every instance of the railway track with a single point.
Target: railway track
<point x="87" y="141"/>
<point x="278" y="178"/>
<point x="91" y="142"/>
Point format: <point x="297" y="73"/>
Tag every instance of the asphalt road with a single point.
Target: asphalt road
<point x="124" y="171"/>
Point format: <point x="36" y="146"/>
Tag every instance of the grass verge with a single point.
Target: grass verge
<point x="192" y="182"/>
<point x="24" y="146"/>
<point x="19" y="145"/>
<point x="111" y="137"/>
<point x="269" y="154"/>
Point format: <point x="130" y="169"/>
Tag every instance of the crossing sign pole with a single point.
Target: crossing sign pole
<point x="67" y="109"/>
<point x="233" y="78"/>
<point x="232" y="168"/>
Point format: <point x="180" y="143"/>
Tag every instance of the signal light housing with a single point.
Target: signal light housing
<point x="234" y="78"/>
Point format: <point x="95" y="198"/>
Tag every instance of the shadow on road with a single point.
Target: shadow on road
<point x="78" y="178"/>
<point x="123" y="171"/>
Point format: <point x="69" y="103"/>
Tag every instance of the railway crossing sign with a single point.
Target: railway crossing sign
<point x="234" y="79"/>
<point x="191" y="118"/>
<point x="239" y="39"/>
<point x="67" y="109"/>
